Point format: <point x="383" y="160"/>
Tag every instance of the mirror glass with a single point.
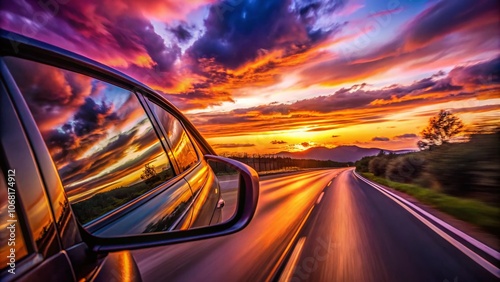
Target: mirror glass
<point x="206" y="196"/>
<point x="229" y="181"/>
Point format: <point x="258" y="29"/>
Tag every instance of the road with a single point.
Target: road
<point x="334" y="227"/>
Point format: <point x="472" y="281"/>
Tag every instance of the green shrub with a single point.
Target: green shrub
<point x="362" y="165"/>
<point x="465" y="169"/>
<point x="378" y="165"/>
<point x="405" y="168"/>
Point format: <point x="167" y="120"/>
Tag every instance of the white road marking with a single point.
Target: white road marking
<point x="320" y="197"/>
<point x="471" y="254"/>
<point x="290" y="266"/>
<point x="289" y="246"/>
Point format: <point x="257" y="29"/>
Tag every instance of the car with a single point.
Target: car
<point x="95" y="164"/>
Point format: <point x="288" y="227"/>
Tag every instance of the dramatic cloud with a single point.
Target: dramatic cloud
<point x="481" y="74"/>
<point x="435" y="88"/>
<point x="416" y="44"/>
<point x="380" y="139"/>
<point x="181" y="32"/>
<point x="444" y="18"/>
<point x="246" y="44"/>
<point x="356" y="104"/>
<point x="56" y="95"/>
<point x="278" y="142"/>
<point x="127" y="167"/>
<point x="250" y="28"/>
<point x="406" y="136"/>
<point x="85" y="129"/>
<point x="356" y="96"/>
<point x="90" y="166"/>
<point x="114" y="32"/>
<point x="232" y="145"/>
<point x="323" y="128"/>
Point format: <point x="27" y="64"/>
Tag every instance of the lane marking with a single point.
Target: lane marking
<point x="289" y="246"/>
<point x="292" y="263"/>
<point x="280" y="262"/>
<point x="329" y="183"/>
<point x="471" y="254"/>
<point x="319" y="198"/>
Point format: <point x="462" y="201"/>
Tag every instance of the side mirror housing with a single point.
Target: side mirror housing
<point x="243" y="203"/>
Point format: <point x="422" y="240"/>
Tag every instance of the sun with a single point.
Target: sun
<point x="300" y="147"/>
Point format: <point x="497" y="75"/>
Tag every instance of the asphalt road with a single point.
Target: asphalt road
<point x="352" y="233"/>
<point x="358" y="234"/>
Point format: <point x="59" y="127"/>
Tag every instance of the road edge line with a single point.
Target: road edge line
<point x="292" y="262"/>
<point x="407" y="206"/>
<point x="476" y="243"/>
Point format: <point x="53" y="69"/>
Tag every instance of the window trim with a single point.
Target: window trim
<point x="150" y="103"/>
<point x="9" y="90"/>
<point x="159" y="132"/>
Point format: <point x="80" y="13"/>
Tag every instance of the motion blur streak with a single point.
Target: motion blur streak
<point x="355" y="233"/>
<point x="250" y="254"/>
<point x="359" y="234"/>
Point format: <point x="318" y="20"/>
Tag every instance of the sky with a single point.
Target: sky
<point x="268" y="76"/>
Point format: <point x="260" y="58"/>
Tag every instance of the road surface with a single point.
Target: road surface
<point x="331" y="226"/>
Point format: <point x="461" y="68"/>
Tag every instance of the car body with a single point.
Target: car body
<point x="87" y="177"/>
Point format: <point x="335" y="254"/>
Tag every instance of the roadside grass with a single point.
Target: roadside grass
<point x="475" y="212"/>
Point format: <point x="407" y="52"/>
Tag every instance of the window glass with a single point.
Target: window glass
<point x="100" y="139"/>
<point x="181" y="146"/>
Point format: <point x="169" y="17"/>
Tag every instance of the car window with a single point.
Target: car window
<point x="99" y="136"/>
<point x="178" y="139"/>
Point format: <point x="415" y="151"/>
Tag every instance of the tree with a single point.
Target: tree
<point x="440" y="130"/>
<point x="378" y="165"/>
<point x="149" y="173"/>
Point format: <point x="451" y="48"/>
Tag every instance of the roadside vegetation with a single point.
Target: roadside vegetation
<point x="458" y="178"/>
<point x="104" y="202"/>
<point x="473" y="211"/>
<point x="266" y="164"/>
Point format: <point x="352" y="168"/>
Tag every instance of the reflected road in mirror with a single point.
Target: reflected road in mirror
<point x="229" y="192"/>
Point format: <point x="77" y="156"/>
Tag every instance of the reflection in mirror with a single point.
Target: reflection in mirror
<point x="229" y="181"/>
<point x="179" y="206"/>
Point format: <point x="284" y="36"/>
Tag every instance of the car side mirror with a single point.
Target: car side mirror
<point x="238" y="186"/>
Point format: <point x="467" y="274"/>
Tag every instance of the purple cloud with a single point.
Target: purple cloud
<point x="406" y="136"/>
<point x="384" y="139"/>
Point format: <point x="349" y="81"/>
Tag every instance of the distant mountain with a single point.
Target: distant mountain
<point x="338" y="154"/>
